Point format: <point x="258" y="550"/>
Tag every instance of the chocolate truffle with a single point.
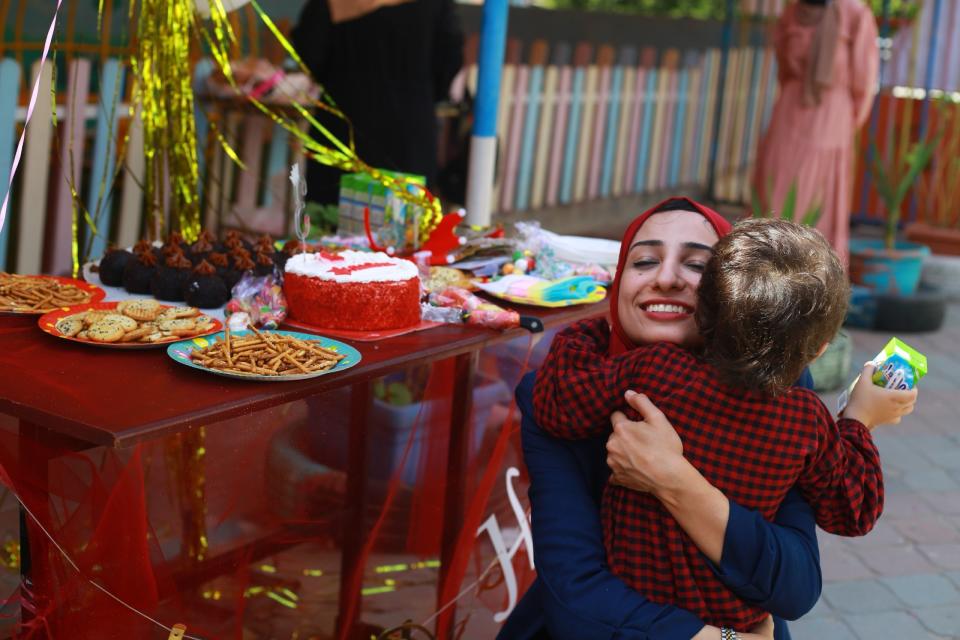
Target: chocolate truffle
<point x="241" y="265"/>
<point x="265" y="264"/>
<point x="138" y="272"/>
<point x="220" y="261"/>
<point x="200" y="249"/>
<point x="204" y="289"/>
<point x="112" y="266"/>
<point x="167" y="283"/>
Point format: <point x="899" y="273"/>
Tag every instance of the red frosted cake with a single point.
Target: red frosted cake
<point x="352" y="290"/>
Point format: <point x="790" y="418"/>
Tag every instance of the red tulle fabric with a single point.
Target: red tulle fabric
<point x="268" y="494"/>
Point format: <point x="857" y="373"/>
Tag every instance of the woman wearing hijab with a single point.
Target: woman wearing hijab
<point x="773" y="565"/>
<point x="827" y="60"/>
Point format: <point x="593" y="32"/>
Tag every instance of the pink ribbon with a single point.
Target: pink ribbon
<point x="263" y="88"/>
<point x="30" y="107"/>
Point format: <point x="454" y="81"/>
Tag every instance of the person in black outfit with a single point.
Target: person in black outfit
<point x="385" y="64"/>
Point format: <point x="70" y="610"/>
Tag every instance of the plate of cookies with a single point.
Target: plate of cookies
<point x="128" y="324"/>
<point x="37" y="295"/>
<point x="270" y="356"/>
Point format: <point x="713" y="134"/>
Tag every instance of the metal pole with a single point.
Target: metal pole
<point x="931" y="63"/>
<point x="726" y="39"/>
<point x="483" y="143"/>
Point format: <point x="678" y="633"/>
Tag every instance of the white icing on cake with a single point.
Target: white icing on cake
<point x="315" y="265"/>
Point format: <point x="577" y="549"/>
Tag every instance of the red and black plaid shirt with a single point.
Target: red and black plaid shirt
<point x="751" y="446"/>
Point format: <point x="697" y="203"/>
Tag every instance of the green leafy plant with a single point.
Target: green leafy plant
<point x="898" y="9"/>
<point x="697" y="9"/>
<point x="895" y="176"/>
<point x="788" y="210"/>
<point x="324" y="218"/>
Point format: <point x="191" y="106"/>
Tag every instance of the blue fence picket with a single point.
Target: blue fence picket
<point x="9" y="92"/>
<point x="99" y="200"/>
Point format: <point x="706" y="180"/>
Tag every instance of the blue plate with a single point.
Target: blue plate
<point x="180" y="352"/>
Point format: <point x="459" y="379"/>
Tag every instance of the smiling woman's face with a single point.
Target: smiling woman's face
<point x="658" y="285"/>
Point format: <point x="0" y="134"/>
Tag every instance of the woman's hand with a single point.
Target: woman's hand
<point x="645" y="455"/>
<point x="873" y="405"/>
<point x="648" y="456"/>
<point x="763" y="631"/>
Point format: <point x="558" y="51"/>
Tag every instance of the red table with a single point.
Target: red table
<point x="78" y="397"/>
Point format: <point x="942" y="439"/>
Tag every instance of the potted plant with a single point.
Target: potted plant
<point x="788" y="210"/>
<point x="891" y="268"/>
<point x="889" y="265"/>
<point x="939" y="199"/>
<point x="937" y="192"/>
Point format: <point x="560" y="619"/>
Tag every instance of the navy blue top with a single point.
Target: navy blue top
<point x="775" y="566"/>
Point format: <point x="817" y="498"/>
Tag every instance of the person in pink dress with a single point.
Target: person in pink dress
<point x="827" y="61"/>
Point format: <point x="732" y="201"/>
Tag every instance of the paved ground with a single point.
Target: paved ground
<point x="903" y="579"/>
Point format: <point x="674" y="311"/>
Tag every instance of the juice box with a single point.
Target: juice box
<point x="897" y="366"/>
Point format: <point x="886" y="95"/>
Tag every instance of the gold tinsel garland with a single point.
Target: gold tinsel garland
<point x="163" y="72"/>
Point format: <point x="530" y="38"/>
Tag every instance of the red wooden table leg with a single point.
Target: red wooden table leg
<point x="354" y="527"/>
<point x="457" y="460"/>
<point x="40" y="447"/>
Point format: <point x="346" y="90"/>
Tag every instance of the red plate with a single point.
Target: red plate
<point x="48" y="323"/>
<point x="360" y="336"/>
<point x="96" y="295"/>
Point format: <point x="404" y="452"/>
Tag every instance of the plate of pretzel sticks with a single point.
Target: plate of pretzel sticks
<point x="272" y="356"/>
<point x="37" y="295"/>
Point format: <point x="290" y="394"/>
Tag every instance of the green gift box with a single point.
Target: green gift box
<point x="359" y="191"/>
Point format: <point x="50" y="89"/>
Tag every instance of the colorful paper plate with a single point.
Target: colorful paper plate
<point x="96" y="295"/>
<point x="529" y="290"/>
<point x="48" y="323"/>
<point x="181" y="351"/>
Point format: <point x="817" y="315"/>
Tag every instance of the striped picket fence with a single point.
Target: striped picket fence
<point x="93" y="137"/>
<point x="85" y="147"/>
<point x="581" y="121"/>
<point x="37" y="236"/>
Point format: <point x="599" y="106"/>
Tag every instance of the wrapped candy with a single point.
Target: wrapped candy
<point x="258" y="301"/>
<point x="476" y="310"/>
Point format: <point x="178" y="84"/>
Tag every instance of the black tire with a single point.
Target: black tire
<point x="923" y="311"/>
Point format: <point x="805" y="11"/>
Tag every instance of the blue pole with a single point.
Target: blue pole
<point x="483" y="144"/>
<point x="726" y="41"/>
<point x="931" y="63"/>
<point x="927" y="86"/>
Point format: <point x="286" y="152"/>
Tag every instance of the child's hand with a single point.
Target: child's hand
<point x="873" y="405"/>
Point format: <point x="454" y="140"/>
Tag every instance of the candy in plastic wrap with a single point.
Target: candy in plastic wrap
<point x="261" y="299"/>
<point x="476" y="310"/>
<point x="897" y="366"/>
<point x="238" y="320"/>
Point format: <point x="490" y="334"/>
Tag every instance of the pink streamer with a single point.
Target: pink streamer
<point x="30" y="107"/>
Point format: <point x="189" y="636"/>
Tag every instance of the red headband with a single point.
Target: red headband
<point x="619" y="342"/>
